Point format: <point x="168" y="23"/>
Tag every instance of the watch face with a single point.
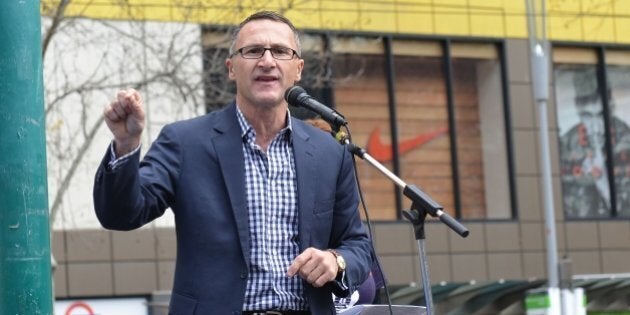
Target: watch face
<point x="341" y="263"/>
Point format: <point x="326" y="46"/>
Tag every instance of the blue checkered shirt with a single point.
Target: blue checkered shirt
<point x="271" y="187"/>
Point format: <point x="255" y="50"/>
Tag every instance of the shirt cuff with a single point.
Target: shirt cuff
<point x="343" y="282"/>
<point x="114" y="161"/>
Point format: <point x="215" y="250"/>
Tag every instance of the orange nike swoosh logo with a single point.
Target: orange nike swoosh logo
<point x="384" y="152"/>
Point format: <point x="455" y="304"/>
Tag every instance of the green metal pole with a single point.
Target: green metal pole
<point x="25" y="274"/>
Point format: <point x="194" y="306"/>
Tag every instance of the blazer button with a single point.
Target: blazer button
<point x="243" y="275"/>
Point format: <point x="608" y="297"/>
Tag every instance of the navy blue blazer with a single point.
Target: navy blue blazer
<point x="196" y="168"/>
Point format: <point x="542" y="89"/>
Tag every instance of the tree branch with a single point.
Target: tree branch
<point x="56" y="20"/>
<point x="73" y="168"/>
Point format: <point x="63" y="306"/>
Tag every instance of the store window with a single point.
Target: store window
<point x="422" y="109"/>
<point x="427" y="156"/>
<point x="360" y="89"/>
<point x="593" y="118"/>
<point x="468" y="174"/>
<point x="482" y="160"/>
<point x="618" y="76"/>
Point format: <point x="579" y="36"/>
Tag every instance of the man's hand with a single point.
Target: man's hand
<point x="125" y="119"/>
<point x="315" y="266"/>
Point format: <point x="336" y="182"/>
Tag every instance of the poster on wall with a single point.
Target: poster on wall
<point x="119" y="306"/>
<point x="619" y="81"/>
<point x="586" y="185"/>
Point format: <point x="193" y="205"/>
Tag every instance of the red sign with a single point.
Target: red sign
<point x="78" y="306"/>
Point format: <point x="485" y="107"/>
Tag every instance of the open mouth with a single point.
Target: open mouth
<point x="266" y="78"/>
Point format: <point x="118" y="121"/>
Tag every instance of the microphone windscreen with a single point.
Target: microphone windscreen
<point x="291" y="95"/>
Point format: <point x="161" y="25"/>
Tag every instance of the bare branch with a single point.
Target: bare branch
<point x="56" y="21"/>
<point x="67" y="178"/>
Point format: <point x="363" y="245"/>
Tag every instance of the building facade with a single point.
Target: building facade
<point x="441" y="94"/>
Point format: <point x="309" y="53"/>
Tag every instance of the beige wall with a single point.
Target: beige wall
<point x="106" y="263"/>
<point x="502" y="250"/>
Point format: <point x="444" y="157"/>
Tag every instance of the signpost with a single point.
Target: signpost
<point x="25" y="273"/>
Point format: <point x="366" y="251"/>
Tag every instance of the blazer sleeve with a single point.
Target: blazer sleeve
<point x="135" y="193"/>
<point x="349" y="236"/>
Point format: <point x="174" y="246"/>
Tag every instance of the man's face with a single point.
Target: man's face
<point x="263" y="81"/>
<point x="591" y="114"/>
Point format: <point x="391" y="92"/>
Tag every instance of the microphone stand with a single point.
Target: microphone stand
<point x="421" y="205"/>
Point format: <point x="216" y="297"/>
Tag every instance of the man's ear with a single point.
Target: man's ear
<point x="300" y="67"/>
<point x="230" y="68"/>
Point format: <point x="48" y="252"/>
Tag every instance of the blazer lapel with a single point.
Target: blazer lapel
<point x="228" y="145"/>
<point x="303" y="152"/>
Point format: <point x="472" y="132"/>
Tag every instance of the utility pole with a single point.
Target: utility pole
<point x="540" y="63"/>
<point x="25" y="273"/>
<point x="539" y="56"/>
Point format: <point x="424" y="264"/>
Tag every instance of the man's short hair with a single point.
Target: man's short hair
<point x="266" y="15"/>
<point x="586" y="85"/>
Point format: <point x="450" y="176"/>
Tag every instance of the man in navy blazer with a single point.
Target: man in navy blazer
<point x="265" y="205"/>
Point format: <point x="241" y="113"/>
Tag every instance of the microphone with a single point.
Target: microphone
<point x="298" y="97"/>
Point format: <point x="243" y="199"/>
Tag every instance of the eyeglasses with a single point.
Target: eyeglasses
<point x="277" y="52"/>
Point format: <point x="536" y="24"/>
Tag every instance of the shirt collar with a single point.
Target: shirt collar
<point x="248" y="132"/>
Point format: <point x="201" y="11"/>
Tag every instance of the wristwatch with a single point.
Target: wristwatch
<point x="341" y="263"/>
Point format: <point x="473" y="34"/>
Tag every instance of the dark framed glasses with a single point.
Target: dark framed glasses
<point x="256" y="52"/>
